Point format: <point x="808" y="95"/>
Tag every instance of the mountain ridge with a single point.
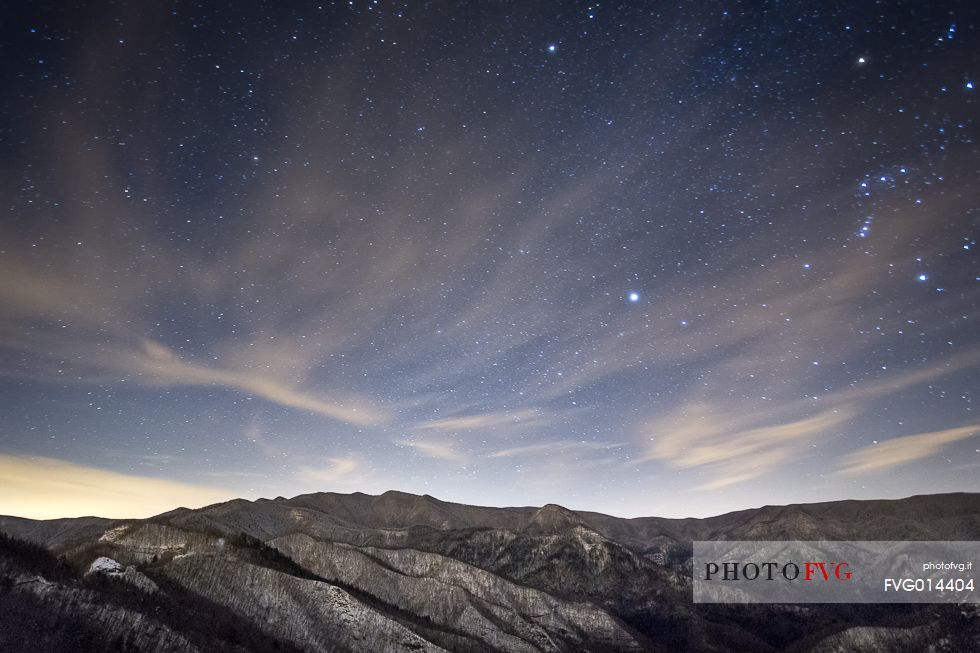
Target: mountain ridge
<point x="402" y="572"/>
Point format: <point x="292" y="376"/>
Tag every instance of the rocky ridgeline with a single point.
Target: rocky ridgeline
<point x="399" y="572"/>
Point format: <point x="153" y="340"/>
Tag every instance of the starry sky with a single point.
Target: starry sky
<point x="643" y="258"/>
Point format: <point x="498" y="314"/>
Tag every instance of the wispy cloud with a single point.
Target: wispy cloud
<point x="255" y="434"/>
<point x="903" y="450"/>
<point x="96" y="334"/>
<point x="156" y="363"/>
<point x="736" y="440"/>
<point x="916" y="376"/>
<point x="482" y="421"/>
<point x="734" y="448"/>
<point x="334" y="471"/>
<point x="440" y="450"/>
<point x="552" y="448"/>
<point x="48" y="488"/>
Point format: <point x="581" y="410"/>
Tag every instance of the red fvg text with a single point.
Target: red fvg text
<point x="810" y="571"/>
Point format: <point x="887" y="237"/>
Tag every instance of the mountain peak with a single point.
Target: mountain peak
<point x="552" y="518"/>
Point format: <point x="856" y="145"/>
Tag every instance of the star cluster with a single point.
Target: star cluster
<point x="636" y="258"/>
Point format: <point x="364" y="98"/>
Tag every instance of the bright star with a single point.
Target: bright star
<point x="633" y="297"/>
<point x="552" y="48"/>
<point x="923" y="277"/>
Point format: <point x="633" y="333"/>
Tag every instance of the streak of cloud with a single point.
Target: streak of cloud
<point x="159" y="364"/>
<point x="482" y="421"/>
<point x="336" y="470"/>
<point x="903" y="450"/>
<point x="551" y="448"/>
<point x="435" y="449"/>
<point x="734" y="449"/>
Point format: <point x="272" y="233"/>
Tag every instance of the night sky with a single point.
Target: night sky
<point x="643" y="258"/>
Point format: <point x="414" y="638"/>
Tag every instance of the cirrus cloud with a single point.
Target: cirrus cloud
<point x="904" y="449"/>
